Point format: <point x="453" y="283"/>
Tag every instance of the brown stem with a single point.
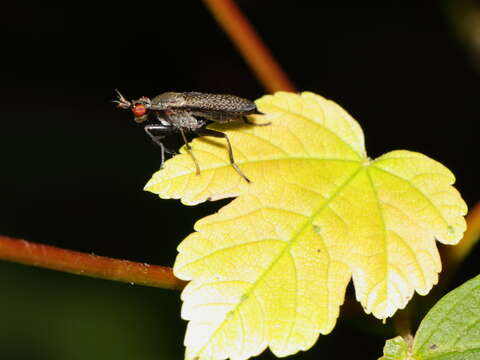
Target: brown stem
<point x="402" y="325"/>
<point x="249" y="44"/>
<point x="453" y="256"/>
<point x="458" y="252"/>
<point x="78" y="263"/>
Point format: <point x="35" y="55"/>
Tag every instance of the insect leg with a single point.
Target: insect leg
<point x="162" y="129"/>
<point x="183" y="121"/>
<point x="218" y="134"/>
<point x="189" y="150"/>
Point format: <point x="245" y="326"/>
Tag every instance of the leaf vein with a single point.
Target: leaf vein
<point x="414" y="255"/>
<point x="202" y="258"/>
<point x="382" y="219"/>
<point x="289" y="244"/>
<point x="294" y="320"/>
<point x="416" y="189"/>
<point x="321" y="125"/>
<point x="451" y="308"/>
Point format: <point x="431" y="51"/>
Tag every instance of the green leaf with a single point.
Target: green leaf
<point x="395" y="349"/>
<point x="451" y="329"/>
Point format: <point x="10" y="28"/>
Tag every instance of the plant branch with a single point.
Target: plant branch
<point x="464" y="19"/>
<point x="249" y="44"/>
<point x="50" y="257"/>
<point x="455" y="255"/>
<point x="458" y="252"/>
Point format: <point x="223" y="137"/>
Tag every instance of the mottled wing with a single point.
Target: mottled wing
<point x="219" y="103"/>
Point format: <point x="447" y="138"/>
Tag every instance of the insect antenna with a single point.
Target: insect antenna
<point x="121" y="101"/>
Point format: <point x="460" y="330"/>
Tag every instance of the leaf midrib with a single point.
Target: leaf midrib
<point x="228" y="165"/>
<point x="288" y="245"/>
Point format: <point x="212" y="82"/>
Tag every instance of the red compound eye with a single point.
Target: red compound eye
<point x="139" y="110"/>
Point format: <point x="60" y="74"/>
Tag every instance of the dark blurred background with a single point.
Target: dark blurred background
<point x="73" y="166"/>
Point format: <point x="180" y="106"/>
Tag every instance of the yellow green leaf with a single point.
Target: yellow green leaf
<point x="271" y="268"/>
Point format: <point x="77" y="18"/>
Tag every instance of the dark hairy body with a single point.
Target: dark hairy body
<point x="189" y="112"/>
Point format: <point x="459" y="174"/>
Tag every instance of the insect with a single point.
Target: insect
<point x="184" y="112"/>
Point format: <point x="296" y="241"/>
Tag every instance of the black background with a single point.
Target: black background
<point x="73" y="166"/>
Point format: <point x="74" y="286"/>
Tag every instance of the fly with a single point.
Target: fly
<point x="184" y="112"/>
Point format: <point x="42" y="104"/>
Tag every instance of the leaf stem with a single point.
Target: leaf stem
<point x="402" y="324"/>
<point x="250" y="45"/>
<point x="50" y="257"/>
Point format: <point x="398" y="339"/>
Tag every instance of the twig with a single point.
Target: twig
<point x="78" y="263"/>
<point x="249" y="44"/>
<point x="458" y="252"/>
